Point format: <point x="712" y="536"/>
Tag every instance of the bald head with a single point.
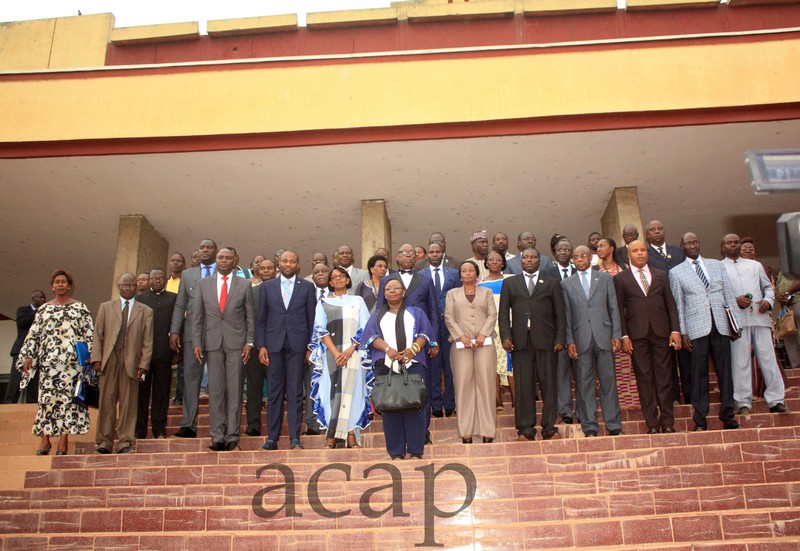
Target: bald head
<point x="637" y="253"/>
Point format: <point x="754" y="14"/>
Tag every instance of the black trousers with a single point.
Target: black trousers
<point x="256" y="373"/>
<point x="532" y="365"/>
<point x="154" y="398"/>
<point x="13" y="391"/>
<point x="652" y="365"/>
<point x="718" y="347"/>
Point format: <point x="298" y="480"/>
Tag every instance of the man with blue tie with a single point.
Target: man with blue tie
<point x="182" y="325"/>
<point x="285" y="320"/>
<point x="702" y="291"/>
<point x="443" y="279"/>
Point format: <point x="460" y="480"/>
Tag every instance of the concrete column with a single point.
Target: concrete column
<point x="376" y="230"/>
<point x="140" y="248"/>
<point x="622" y="209"/>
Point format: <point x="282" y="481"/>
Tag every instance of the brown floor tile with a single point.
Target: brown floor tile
<point x="143" y="520"/>
<point x="722" y="453"/>
<point x="593" y="534"/>
<point x="541" y="509"/>
<point x="545" y="536"/>
<point x="184" y="520"/>
<point x="737" y="474"/>
<point x="581" y="508"/>
<point x="660" y="479"/>
<point x="163" y="542"/>
<point x="631" y="505"/>
<point x="675" y="501"/>
<point x="766" y="496"/>
<point x="746" y="526"/>
<point x="693" y="476"/>
<point x="782" y="471"/>
<point x="785" y="523"/>
<point x="626" y="480"/>
<point x="721" y="498"/>
<point x="55" y="522"/>
<point x="651" y="530"/>
<point x="697" y="528"/>
<point x="101" y="521"/>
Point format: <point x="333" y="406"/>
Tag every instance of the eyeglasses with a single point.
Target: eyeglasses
<point x="338" y="276"/>
<point x="407" y="253"/>
<point x="584" y="255"/>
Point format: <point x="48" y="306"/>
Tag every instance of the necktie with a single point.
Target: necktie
<point x="565" y="273"/>
<point x="699" y="270"/>
<point x="585" y="282"/>
<point x="321" y="294"/>
<point x="436" y="281"/>
<point x="287" y="293"/>
<point x="407" y="272"/>
<point x="123" y="327"/>
<point x="223" y="294"/>
<point x="530" y="283"/>
<point x="661" y="251"/>
<point x="645" y="285"/>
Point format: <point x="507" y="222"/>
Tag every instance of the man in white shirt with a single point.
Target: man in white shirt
<point x="754" y="297"/>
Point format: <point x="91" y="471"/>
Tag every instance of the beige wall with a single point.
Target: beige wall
<point x="8" y="334"/>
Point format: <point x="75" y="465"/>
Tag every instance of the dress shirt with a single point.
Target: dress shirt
<point x="648" y="276"/>
<point x="509" y="255"/>
<point x="691" y="265"/>
<point x="219" y="283"/>
<point x="588" y="278"/>
<point x="406" y="278"/>
<point x="173" y="284"/>
<point x="130" y="302"/>
<point x="561" y="269"/>
<point x="528" y="276"/>
<point x="388" y="329"/>
<point x="203" y="269"/>
<point x="325" y="292"/>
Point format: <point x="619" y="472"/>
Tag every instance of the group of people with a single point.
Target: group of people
<point x="641" y="319"/>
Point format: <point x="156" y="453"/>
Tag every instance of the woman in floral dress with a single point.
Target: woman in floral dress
<point x="49" y="349"/>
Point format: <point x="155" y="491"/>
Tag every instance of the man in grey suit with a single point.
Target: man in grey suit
<point x="593" y="336"/>
<point x="223" y="329"/>
<point x="346" y="260"/>
<point x="182" y="314"/>
<point x="702" y="290"/>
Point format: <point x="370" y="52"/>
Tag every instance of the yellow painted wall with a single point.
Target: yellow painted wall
<point x="388" y="93"/>
<point x="65" y="42"/>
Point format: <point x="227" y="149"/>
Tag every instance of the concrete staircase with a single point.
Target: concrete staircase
<point x="726" y="490"/>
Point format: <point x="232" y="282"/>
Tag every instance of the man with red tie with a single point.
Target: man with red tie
<point x="223" y="329"/>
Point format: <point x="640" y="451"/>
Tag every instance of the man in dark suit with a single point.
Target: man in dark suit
<point x="593" y="336"/>
<point x="650" y="328"/>
<point x="629" y="235"/>
<point x="121" y="352"/>
<point x="223" y="328"/>
<point x="25" y="315"/>
<point x="157" y="381"/>
<point x="449" y="261"/>
<point x="182" y="314"/>
<point x="526" y="240"/>
<point x="535" y="304"/>
<point x="443" y="279"/>
<point x="660" y="255"/>
<point x="285" y="321"/>
<point x="420" y="293"/>
<point x="562" y="269"/>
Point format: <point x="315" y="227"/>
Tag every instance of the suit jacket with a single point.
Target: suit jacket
<point x="674" y="257"/>
<point x="639" y="312"/>
<point x="419" y="293"/>
<point x="696" y="304"/>
<point x="276" y="323"/>
<point x="544" y="309"/>
<point x="748" y="276"/>
<point x="25" y="315"/>
<point x="357" y="277"/>
<point x="232" y="328"/>
<point x="184" y="304"/>
<point x="621" y="255"/>
<point x="448" y="261"/>
<point x="546" y="267"/>
<point x="449" y="279"/>
<point x="162" y="304"/>
<point x="138" y="349"/>
<point x="595" y="317"/>
<point x="471" y="319"/>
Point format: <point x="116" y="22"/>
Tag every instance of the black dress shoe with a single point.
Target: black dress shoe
<point x="779" y="408"/>
<point x="160" y="434"/>
<point x="416" y="456"/>
<point x="449" y="412"/>
<point x="590" y="433"/>
<point x="140" y="436"/>
<point x="567" y="420"/>
<point x="103" y="451"/>
<point x="653" y="431"/>
<point x="525" y="436"/>
<point x="552" y="435"/>
<point x="437" y="413"/>
<point x="466" y="440"/>
<point x="396" y="457"/>
<point x="186" y="432"/>
<point x="295" y="444"/>
<point x="217" y="447"/>
<point x="125" y="450"/>
<point x="269" y="445"/>
<point x="309" y="432"/>
<point x="700" y="428"/>
<point x="729" y="425"/>
<point x="615" y="432"/>
<point x="252" y="432"/>
<point x="230" y="446"/>
<point x="668" y="430"/>
<point x="487" y="440"/>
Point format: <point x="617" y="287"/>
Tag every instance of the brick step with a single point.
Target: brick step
<point x="102" y="528"/>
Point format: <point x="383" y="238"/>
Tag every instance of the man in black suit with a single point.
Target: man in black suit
<point x="420" y="292"/>
<point x="563" y="269"/>
<point x="449" y="261"/>
<point x="536" y="305"/>
<point x="25" y="315"/>
<point x="286" y="308"/>
<point x="660" y="255"/>
<point x="629" y="235"/>
<point x="650" y="329"/>
<point x="157" y="381"/>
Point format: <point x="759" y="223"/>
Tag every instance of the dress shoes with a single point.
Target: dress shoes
<point x="398" y="457"/>
<point x="295" y="444"/>
<point x="140" y="436"/>
<point x="729" y="425"/>
<point x="416" y="456"/>
<point x="101" y="450"/>
<point x="160" y="434"/>
<point x="590" y="433"/>
<point x="269" y="445"/>
<point x="567" y="420"/>
<point x="466" y="440"/>
<point x="437" y="413"/>
<point x="125" y="450"/>
<point x="252" y="432"/>
<point x="668" y="430"/>
<point x="615" y="432"/>
<point x="46" y="451"/>
<point x="779" y="408"/>
<point x="61" y="452"/>
<point x="552" y="435"/>
<point x="449" y="412"/>
<point x="487" y="440"/>
<point x="310" y="432"/>
<point x="525" y="437"/>
<point x="744" y="410"/>
<point x="700" y="428"/>
<point x="653" y="431"/>
<point x="185" y="432"/>
<point x="217" y="447"/>
<point x="232" y="445"/>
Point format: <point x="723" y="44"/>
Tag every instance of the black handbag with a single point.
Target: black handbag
<point x="402" y="391"/>
<point x="87" y="388"/>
